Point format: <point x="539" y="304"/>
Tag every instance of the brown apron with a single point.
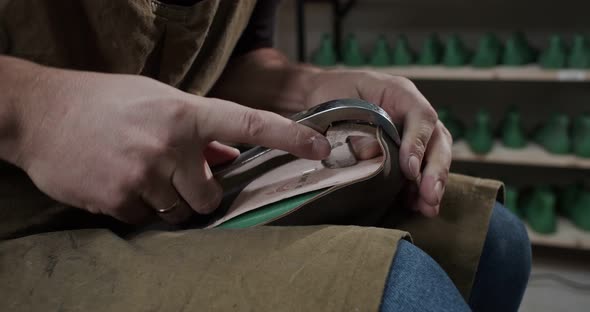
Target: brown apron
<point x="57" y="257"/>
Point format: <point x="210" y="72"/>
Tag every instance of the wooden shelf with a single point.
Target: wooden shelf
<point x="567" y="236"/>
<point x="500" y="73"/>
<point x="531" y="155"/>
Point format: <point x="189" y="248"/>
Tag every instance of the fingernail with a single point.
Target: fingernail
<point x="436" y="210"/>
<point x="237" y="151"/>
<point x="321" y="146"/>
<point x="438" y="191"/>
<point x="359" y="147"/>
<point x="414" y="165"/>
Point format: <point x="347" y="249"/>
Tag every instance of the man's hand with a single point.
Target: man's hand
<point x="275" y="84"/>
<point x="425" y="154"/>
<point x="127" y="145"/>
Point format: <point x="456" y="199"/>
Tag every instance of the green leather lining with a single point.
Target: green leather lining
<point x="268" y="212"/>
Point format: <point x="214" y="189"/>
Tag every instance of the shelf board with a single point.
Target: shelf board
<point x="567" y="236"/>
<point x="531" y="155"/>
<point x="500" y="73"/>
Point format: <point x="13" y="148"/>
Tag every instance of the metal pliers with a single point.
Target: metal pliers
<point x="336" y="115"/>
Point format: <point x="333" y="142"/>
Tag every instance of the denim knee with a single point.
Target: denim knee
<point x="504" y="266"/>
<point x="417" y="283"/>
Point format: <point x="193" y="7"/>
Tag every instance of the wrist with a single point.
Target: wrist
<point x="19" y="87"/>
<point x="266" y="79"/>
<point x="301" y="80"/>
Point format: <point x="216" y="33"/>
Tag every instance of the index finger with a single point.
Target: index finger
<point x="227" y="121"/>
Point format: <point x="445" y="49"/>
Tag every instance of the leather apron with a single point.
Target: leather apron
<point x="55" y="257"/>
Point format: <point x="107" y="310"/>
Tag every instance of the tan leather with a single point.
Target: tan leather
<point x="319" y="268"/>
<point x="362" y="202"/>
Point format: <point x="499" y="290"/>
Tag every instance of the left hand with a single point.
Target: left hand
<point x="425" y="152"/>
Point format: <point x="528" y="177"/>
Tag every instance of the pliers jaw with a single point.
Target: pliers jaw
<point x="321" y="117"/>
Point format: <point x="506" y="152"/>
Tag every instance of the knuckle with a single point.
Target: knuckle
<point x="449" y="138"/>
<point x="429" y="115"/>
<point x="422" y="138"/>
<point x="176" y="123"/>
<point x="253" y="123"/>
<point x="297" y="133"/>
<point x="372" y="76"/>
<point x="419" y="149"/>
<point x="445" y="132"/>
<point x="136" y="178"/>
<point x="425" y="131"/>
<point x="416" y="148"/>
<point x="176" y="109"/>
<point x="160" y="148"/>
<point x="403" y="82"/>
<point x="444" y="173"/>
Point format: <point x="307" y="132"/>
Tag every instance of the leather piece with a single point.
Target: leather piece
<point x="358" y="203"/>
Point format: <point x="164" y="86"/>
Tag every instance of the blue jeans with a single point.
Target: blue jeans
<point x="417" y="283"/>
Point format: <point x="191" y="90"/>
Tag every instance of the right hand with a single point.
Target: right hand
<point x="125" y="145"/>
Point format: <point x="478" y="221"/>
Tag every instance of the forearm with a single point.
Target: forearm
<point x="265" y="79"/>
<point x="23" y="89"/>
<point x="17" y="79"/>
